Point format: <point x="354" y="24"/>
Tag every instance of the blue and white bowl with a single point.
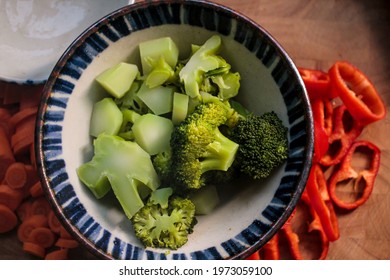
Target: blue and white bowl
<point x="244" y="221"/>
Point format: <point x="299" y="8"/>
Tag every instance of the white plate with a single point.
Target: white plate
<point x="34" y="34"/>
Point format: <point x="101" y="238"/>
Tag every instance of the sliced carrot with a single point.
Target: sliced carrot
<point x="29" y="224"/>
<point x="23" y="137"/>
<point x="11" y="93"/>
<point x="66" y="243"/>
<point x="64" y="233"/>
<point x="59" y="254"/>
<point x="12" y="198"/>
<point x="22" y="115"/>
<point x="33" y="160"/>
<point x="40" y="206"/>
<point x="54" y="223"/>
<point x="8" y="219"/>
<point x="42" y="236"/>
<point x="36" y="190"/>
<point x="16" y="175"/>
<point x="34" y="249"/>
<point x="24" y="210"/>
<point x="6" y="155"/>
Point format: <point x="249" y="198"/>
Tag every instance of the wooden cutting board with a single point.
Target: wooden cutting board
<point x="316" y="34"/>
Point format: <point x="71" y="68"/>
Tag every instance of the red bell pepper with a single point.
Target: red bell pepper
<point x="318" y="192"/>
<point x="361" y="178"/>
<point x="317" y="83"/>
<point x="345" y="131"/>
<point x="270" y="250"/>
<point x="357" y="93"/>
<point x="314" y="225"/>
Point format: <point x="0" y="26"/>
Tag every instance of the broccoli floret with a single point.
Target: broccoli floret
<point x="263" y="144"/>
<point x="199" y="146"/>
<point x="123" y="166"/>
<point x="165" y="227"/>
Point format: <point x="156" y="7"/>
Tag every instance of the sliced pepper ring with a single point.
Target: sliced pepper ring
<point x="365" y="177"/>
<point x="357" y="93"/>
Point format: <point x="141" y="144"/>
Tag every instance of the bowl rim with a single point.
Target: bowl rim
<point x="79" y="40"/>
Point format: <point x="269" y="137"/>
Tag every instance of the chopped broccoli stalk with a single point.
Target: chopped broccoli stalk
<point x="198" y="146"/>
<point x="161" y="197"/>
<point x="263" y="144"/>
<point x="202" y="61"/>
<point x="131" y="101"/>
<point x="129" y="118"/>
<point x="153" y="133"/>
<point x="168" y="227"/>
<point x="228" y="84"/>
<point x="161" y="73"/>
<point x="105" y="118"/>
<point x="152" y="50"/>
<point x="205" y="199"/>
<point x="158" y="99"/>
<point x="127" y="168"/>
<point x="179" y="107"/>
<point x="118" y="79"/>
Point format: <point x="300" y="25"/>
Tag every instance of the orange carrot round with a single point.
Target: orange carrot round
<point x="26" y="227"/>
<point x="10" y="197"/>
<point x="8" y="219"/>
<point x="66" y="243"/>
<point x="24" y="210"/>
<point x="59" y="254"/>
<point x="34" y="249"/>
<point x="42" y="236"/>
<point x="16" y="175"/>
<point x="40" y="206"/>
<point x="54" y="223"/>
<point x="36" y="190"/>
<point x="6" y="155"/>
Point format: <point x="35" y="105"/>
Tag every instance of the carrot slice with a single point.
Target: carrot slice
<point x="29" y="224"/>
<point x="42" y="236"/>
<point x="16" y="175"/>
<point x="59" y="254"/>
<point x="64" y="233"/>
<point x="24" y="210"/>
<point x="8" y="219"/>
<point x="66" y="243"/>
<point x="34" y="249"/>
<point x="22" y="115"/>
<point x="36" y="190"/>
<point x="40" y="206"/>
<point x="6" y="155"/>
<point x="54" y="223"/>
<point x="12" y="198"/>
<point x="23" y="137"/>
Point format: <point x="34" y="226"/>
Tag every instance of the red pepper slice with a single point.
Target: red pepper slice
<point x="345" y="131"/>
<point x="318" y="192"/>
<point x="364" y="178"/>
<point x="314" y="225"/>
<point x="270" y="250"/>
<point x="357" y="93"/>
<point x="317" y="83"/>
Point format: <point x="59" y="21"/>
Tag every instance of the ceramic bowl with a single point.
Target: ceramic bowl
<point x="243" y="222"/>
<point x="36" y="33"/>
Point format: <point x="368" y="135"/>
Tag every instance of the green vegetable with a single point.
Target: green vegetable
<point x="165" y="227"/>
<point x="158" y="99"/>
<point x="152" y="50"/>
<point x="205" y="199"/>
<point x="106" y="118"/>
<point x="263" y="144"/>
<point x="179" y="107"/>
<point x="118" y="79"/>
<point x="153" y="133"/>
<point x="161" y="73"/>
<point x="122" y="165"/>
<point x="199" y="146"/>
<point x="202" y="61"/>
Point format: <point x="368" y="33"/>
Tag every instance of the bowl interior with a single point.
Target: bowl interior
<point x="250" y="212"/>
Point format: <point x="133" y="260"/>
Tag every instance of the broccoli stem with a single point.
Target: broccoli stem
<point x="219" y="154"/>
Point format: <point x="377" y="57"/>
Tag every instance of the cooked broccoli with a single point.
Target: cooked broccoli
<point x="263" y="144"/>
<point x="198" y="146"/>
<point x="123" y="166"/>
<point x="165" y="225"/>
<point x="162" y="165"/>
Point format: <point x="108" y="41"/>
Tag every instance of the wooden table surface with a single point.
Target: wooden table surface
<point x="316" y="34"/>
